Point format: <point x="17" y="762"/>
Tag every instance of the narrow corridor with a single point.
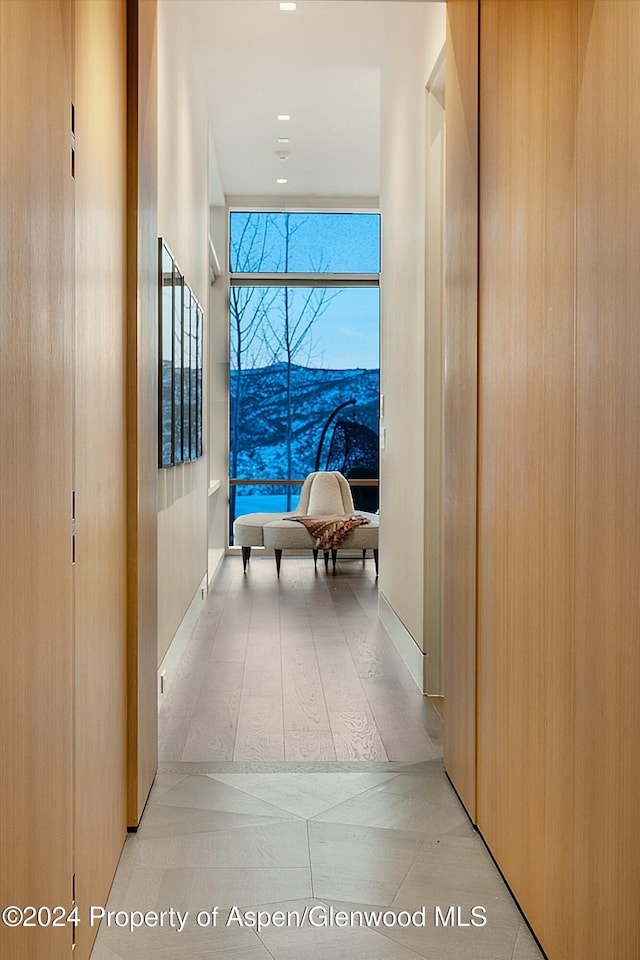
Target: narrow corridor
<point x="301" y="774"/>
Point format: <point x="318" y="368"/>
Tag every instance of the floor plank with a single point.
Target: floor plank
<point x="260" y="732"/>
<point x="356" y="736"/>
<point x="309" y="745"/>
<point x="303" y="696"/>
<point x="298" y="668"/>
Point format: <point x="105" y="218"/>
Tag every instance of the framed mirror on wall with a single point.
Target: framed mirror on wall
<point x="180" y="385"/>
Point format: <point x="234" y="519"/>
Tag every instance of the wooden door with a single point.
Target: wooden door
<point x="526" y="454"/>
<point x="460" y="399"/>
<point x="607" y="661"/>
<point x="36" y="392"/>
<point x="100" y="452"/>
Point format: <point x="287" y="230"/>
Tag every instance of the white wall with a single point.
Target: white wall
<point x="219" y="394"/>
<point x="183" y="220"/>
<point x="418" y="35"/>
<point x="434" y="384"/>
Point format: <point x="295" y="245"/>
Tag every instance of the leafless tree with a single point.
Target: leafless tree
<point x="248" y="308"/>
<point x="291" y="327"/>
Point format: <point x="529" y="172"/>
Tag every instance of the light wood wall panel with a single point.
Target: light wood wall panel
<point x="460" y="398"/>
<point x="558" y="681"/>
<point x="526" y="444"/>
<point x="100" y="447"/>
<point x="36" y="376"/>
<point x="63" y="420"/>
<point x="142" y="372"/>
<point x="607" y="702"/>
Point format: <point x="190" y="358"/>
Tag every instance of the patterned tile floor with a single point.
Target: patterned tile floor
<point x="300" y="839"/>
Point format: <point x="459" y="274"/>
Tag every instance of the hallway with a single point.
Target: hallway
<point x="298" y="668"/>
<point x="302" y="670"/>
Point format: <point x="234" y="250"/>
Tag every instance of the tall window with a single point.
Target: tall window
<point x="304" y="355"/>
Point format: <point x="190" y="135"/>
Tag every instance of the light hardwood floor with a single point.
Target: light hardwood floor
<point x="301" y="669"/>
<point x="298" y="668"/>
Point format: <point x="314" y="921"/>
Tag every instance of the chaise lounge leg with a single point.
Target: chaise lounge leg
<point x="326" y="560"/>
<point x="334" y="557"/>
<point x="315" y="559"/>
<point x="375" y="559"/>
<point x="278" y="556"/>
<point x="364" y="555"/>
<point x="246" y="555"/>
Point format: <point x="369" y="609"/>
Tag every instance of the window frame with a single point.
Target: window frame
<point x="281" y="279"/>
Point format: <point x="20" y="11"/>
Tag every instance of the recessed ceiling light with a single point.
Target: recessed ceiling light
<point x="287" y="6"/>
<point x="284" y="116"/>
<point x="284" y="140"/>
<point x="281" y="180"/>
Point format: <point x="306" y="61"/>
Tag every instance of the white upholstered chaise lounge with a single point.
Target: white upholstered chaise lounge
<point x="323" y="494"/>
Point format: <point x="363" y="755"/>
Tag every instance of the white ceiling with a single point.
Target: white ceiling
<point x="321" y="65"/>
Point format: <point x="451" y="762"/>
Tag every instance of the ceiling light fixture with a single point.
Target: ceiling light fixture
<point x="284" y="116"/>
<point x="284" y="140"/>
<point x="281" y="180"/>
<point x="287" y="6"/>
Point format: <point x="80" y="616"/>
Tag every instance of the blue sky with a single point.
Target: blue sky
<point x="346" y="335"/>
<point x="336" y="242"/>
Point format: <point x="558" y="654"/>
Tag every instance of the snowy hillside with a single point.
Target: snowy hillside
<point x="315" y="394"/>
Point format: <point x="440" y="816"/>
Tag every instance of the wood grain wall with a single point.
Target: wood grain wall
<point x="100" y="447"/>
<point x="558" y="676"/>
<point x="460" y="398"/>
<point x="36" y="394"/>
<point x="141" y="374"/>
<point x="526" y="443"/>
<point x="64" y="405"/>
<point x="607" y="658"/>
